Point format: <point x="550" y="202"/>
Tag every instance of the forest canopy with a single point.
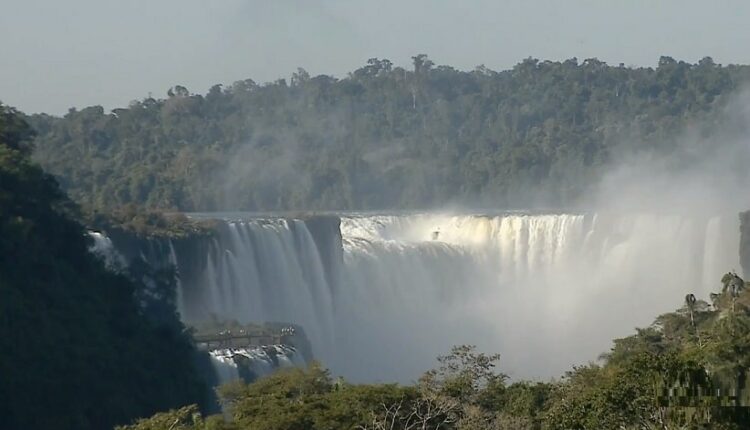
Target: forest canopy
<point x="78" y="342"/>
<point x="382" y="137"/>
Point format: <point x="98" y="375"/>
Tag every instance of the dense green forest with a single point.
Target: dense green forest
<point x="383" y="136"/>
<point x="86" y="348"/>
<point x="686" y="371"/>
<point x="81" y="347"/>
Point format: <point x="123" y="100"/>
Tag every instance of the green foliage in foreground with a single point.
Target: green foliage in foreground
<point x="687" y="371"/>
<point x="80" y="347"/>
<point x="383" y="137"/>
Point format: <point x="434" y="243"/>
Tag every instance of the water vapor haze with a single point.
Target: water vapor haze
<point x="704" y="172"/>
<point x="550" y="291"/>
<point x="546" y="289"/>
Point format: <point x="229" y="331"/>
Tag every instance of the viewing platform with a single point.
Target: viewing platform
<point x="243" y="338"/>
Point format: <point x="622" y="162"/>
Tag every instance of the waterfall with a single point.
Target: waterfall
<point x="263" y="271"/>
<point x="103" y="248"/>
<point x="380" y="296"/>
<point x="545" y="291"/>
<point x="253" y="362"/>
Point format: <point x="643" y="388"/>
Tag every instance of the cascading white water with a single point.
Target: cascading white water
<point x="105" y="250"/>
<point x="264" y="271"/>
<point x="545" y="291"/>
<point x="259" y="361"/>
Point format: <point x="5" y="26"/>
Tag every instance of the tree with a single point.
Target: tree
<point x="15" y="133"/>
<point x="384" y="137"/>
<point x="186" y="418"/>
<point x="77" y="350"/>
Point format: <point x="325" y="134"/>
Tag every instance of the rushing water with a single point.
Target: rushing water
<point x="256" y="361"/>
<point x="103" y="247"/>
<point x="392" y="292"/>
<point x="545" y="291"/>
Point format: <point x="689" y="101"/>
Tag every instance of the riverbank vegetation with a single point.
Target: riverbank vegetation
<point x="86" y="348"/>
<point x="384" y="136"/>
<point x="688" y="370"/>
<point x="146" y="223"/>
<point x="81" y="347"/>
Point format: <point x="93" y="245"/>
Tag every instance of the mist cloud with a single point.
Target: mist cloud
<point x="706" y="172"/>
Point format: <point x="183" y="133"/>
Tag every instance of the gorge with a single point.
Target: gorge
<point x="380" y="295"/>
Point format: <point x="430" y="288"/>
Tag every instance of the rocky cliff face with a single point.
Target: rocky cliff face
<point x="326" y="233"/>
<point x="199" y="264"/>
<point x="161" y="251"/>
<point x="243" y="270"/>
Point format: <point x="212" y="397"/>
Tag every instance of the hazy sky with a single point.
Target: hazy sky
<point x="57" y="54"/>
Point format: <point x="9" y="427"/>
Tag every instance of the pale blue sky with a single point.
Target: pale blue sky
<point x="56" y="54"/>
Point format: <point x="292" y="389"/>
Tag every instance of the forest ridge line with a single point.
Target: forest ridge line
<point x="384" y="137"/>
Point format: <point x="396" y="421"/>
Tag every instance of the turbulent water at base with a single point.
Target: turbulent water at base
<point x="392" y="292"/>
<point x="254" y="362"/>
